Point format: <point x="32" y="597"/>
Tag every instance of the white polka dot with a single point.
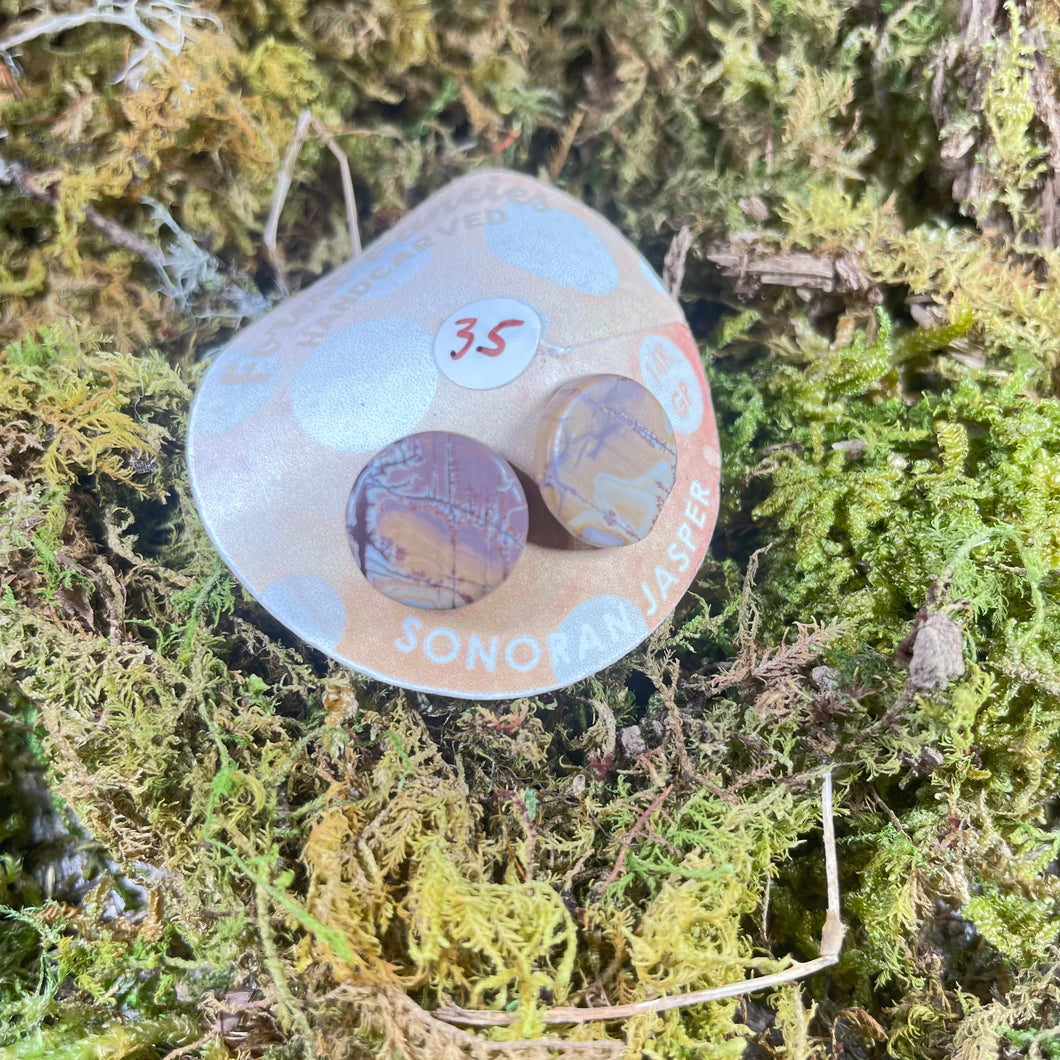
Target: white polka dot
<point x="237" y="385"/>
<point x="309" y="606"/>
<point x="487" y="344"/>
<point x="366" y="385"/>
<point x="555" y="246"/>
<point x="595" y="634"/>
<point x="668" y="375"/>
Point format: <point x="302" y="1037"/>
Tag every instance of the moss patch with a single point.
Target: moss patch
<point x="283" y="859"/>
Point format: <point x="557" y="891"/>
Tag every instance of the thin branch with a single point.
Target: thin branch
<point x="124" y="238"/>
<point x="833" y="931"/>
<point x="28" y="185"/>
<point x="596" y="1046"/>
<point x="531" y="832"/>
<point x="752" y="265"/>
<point x="674" y="263"/>
<point x="641" y="821"/>
<point x="175" y="1054"/>
<point x="559" y="156"/>
<point x="831" y="944"/>
<point x="307" y="123"/>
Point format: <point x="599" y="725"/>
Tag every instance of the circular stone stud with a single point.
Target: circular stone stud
<point x="605" y="459"/>
<point x="436" y="520"/>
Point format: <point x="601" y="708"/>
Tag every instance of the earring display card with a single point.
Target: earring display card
<point x="605" y="459"/>
<point x="465" y="318"/>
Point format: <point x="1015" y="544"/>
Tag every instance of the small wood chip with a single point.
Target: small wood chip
<point x="752" y="268"/>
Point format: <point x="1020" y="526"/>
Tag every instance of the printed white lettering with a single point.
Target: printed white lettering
<point x="443" y="645"/>
<point x="535" y="654"/>
<point x="651" y="600"/>
<point x="589" y="643"/>
<point x="437" y="633"/>
<point x="558" y="649"/>
<point x="664" y="579"/>
<point x="408" y="643"/>
<point x="700" y="493"/>
<point x="677" y="556"/>
<point x="620" y="626"/>
<point x="475" y="648"/>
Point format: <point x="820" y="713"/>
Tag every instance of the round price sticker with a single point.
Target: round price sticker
<point x="487" y="344"/>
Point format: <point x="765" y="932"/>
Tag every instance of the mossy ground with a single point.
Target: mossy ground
<point x="283" y="859"/>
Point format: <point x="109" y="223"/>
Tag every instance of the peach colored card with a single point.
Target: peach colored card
<point x="291" y="411"/>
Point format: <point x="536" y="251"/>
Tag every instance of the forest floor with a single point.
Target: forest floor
<point x="215" y="842"/>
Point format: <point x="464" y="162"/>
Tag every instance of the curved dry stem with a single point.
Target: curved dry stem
<point x="307" y="123"/>
<point x="831" y="943"/>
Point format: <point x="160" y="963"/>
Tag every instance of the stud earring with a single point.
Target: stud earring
<point x="605" y="459"/>
<point x="436" y="520"/>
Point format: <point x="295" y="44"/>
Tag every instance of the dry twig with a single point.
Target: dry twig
<point x="674" y="262"/>
<point x="28" y="184"/>
<point x="528" y="824"/>
<point x="162" y="25"/>
<point x="831" y="943"/>
<point x="752" y="267"/>
<point x="307" y="123"/>
<point x="641" y="821"/>
<point x="559" y="157"/>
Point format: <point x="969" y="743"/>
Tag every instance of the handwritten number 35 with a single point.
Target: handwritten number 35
<point x="466" y="331"/>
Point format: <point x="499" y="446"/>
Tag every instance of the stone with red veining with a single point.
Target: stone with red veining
<point x="436" y="520"/>
<point x="605" y="459"/>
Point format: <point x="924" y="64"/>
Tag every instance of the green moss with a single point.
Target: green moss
<point x="124" y="1040"/>
<point x="324" y="859"/>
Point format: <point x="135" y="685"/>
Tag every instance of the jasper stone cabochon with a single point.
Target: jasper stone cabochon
<point x="605" y="459"/>
<point x="542" y="291"/>
<point x="436" y="520"/>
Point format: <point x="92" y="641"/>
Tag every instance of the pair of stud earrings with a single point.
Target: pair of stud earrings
<point x="437" y="520"/>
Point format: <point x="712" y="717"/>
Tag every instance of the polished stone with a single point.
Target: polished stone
<point x="605" y="459"/>
<point x="436" y="520"/>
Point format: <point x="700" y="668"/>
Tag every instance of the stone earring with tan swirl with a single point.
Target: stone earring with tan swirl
<point x="605" y="459"/>
<point x="436" y="520"/>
